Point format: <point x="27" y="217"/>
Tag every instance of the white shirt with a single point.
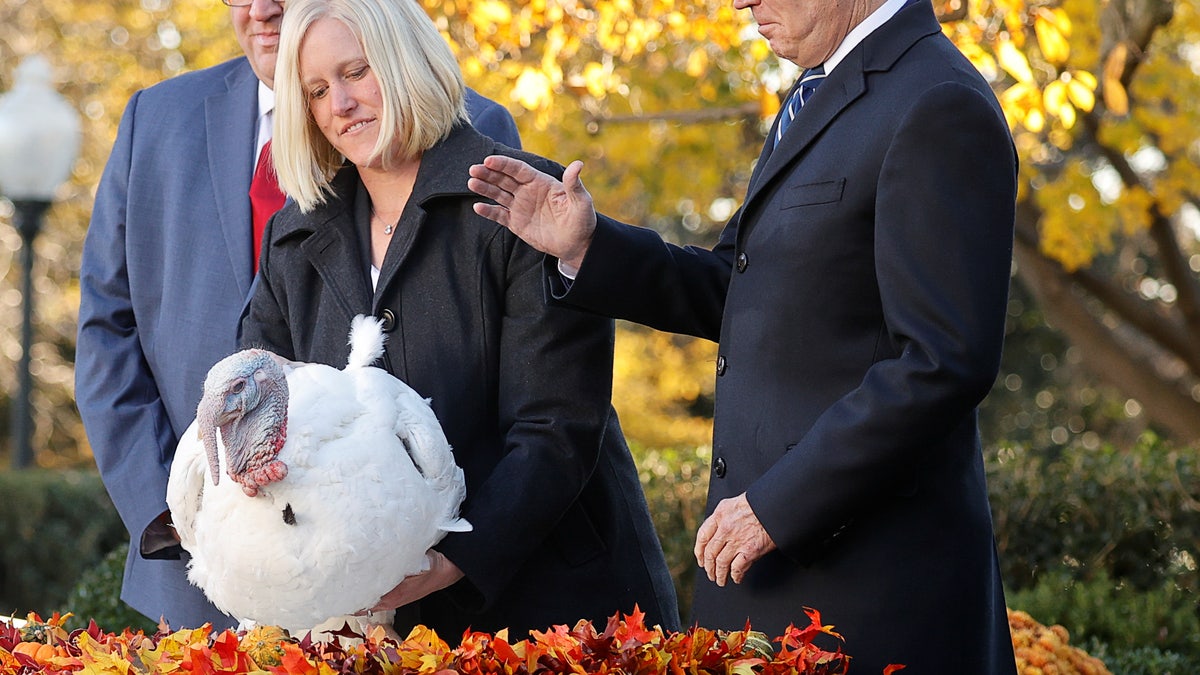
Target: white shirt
<point x="876" y="19"/>
<point x="266" y="106"/>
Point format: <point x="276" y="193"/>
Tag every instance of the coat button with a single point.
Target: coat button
<point x="720" y="366"/>
<point x="742" y="261"/>
<point x="719" y="467"/>
<point x="389" y="320"/>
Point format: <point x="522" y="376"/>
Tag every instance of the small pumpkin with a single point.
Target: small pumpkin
<point x="264" y="644"/>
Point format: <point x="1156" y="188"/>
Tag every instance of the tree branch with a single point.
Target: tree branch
<point x="1179" y="339"/>
<point x="744" y="111"/>
<point x="1177" y="271"/>
<point x="1103" y="353"/>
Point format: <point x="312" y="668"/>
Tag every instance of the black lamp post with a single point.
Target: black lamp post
<point x="39" y="140"/>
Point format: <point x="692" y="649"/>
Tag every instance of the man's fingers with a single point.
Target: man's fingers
<point x="500" y="180"/>
<point x="492" y="212"/>
<point x="711" y="567"/>
<point x="481" y="176"/>
<point x="738" y="568"/>
<point x="507" y="172"/>
<point x="493" y="192"/>
<point x="505" y="164"/>
<point x="703" y="536"/>
<point x="723" y="563"/>
<point x="571" y="179"/>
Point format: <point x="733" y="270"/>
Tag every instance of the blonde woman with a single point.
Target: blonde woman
<point x="373" y="146"/>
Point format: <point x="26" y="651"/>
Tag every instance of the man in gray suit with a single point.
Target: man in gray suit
<point x="167" y="269"/>
<point x="858" y="297"/>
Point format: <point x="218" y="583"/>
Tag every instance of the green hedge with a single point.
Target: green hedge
<point x="97" y="597"/>
<point x="54" y="525"/>
<point x="1105" y="543"/>
<point x="1133" y="515"/>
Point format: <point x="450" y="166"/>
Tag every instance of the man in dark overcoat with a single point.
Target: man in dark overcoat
<point x="858" y="297"/>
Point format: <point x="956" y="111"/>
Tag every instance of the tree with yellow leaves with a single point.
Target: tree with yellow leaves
<point x="1099" y="94"/>
<point x="668" y="104"/>
<point x="1102" y="97"/>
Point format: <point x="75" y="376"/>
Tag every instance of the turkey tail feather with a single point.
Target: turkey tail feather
<point x="366" y="341"/>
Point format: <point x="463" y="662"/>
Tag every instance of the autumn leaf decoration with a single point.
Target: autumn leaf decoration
<point x="626" y="646"/>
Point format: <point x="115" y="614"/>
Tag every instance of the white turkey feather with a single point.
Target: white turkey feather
<point x="370" y="485"/>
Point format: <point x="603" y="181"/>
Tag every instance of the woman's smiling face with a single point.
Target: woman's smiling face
<point x="344" y="98"/>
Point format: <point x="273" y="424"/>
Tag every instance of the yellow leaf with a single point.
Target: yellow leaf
<point x="1020" y="99"/>
<point x="1035" y="121"/>
<point x="1050" y="38"/>
<point x="97" y="660"/>
<point x="1058" y="17"/>
<point x="768" y="102"/>
<point x="1013" y="61"/>
<point x="1066" y="113"/>
<point x="1085" y="77"/>
<point x="595" y="78"/>
<point x="1080" y="94"/>
<point x="1054" y="96"/>
<point x="487" y="13"/>
<point x="1116" y="99"/>
<point x="697" y="62"/>
<point x="532" y="89"/>
<point x="760" y="49"/>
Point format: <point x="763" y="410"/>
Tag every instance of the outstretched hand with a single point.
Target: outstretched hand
<point x="555" y="217"/>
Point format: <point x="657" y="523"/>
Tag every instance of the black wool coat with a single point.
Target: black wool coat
<point x="522" y="389"/>
<point x="859" y="298"/>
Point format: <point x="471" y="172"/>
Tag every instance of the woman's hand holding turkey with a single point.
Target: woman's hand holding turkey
<point x="441" y="574"/>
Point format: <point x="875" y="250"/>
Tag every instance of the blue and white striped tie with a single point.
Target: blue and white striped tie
<point x="808" y="84"/>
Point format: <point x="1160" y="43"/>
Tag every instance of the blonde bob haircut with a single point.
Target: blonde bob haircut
<point x="418" y="77"/>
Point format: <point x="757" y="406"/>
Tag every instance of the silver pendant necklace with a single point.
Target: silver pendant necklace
<point x="388" y="228"/>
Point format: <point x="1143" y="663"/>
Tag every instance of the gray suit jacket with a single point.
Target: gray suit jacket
<point x="165" y="275"/>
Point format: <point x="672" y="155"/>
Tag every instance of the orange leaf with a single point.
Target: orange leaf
<point x="1116" y="99"/>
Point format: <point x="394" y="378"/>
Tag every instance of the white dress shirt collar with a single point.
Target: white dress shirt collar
<point x="266" y="106"/>
<point x="860" y="32"/>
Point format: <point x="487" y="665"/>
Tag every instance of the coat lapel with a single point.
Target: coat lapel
<point x="766" y="151"/>
<point x="838" y="91"/>
<point x="334" y="252"/>
<point x="230" y="119"/>
<point x="330" y="243"/>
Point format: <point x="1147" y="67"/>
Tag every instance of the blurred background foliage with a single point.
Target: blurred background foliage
<point x="667" y="104"/>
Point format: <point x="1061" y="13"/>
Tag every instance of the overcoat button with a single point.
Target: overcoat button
<point x="742" y="261"/>
<point x="720" y="366"/>
<point x="719" y="467"/>
<point x="389" y="320"/>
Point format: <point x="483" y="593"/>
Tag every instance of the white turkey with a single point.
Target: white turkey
<point x="341" y="480"/>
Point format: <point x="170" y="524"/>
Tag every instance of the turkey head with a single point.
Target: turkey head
<point x="245" y="400"/>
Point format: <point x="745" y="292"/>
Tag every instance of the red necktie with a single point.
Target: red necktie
<point x="265" y="198"/>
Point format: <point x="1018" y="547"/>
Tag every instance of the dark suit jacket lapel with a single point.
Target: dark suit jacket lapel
<point x="878" y="52"/>
<point x="331" y="244"/>
<point x="765" y="154"/>
<point x="230" y="120"/>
